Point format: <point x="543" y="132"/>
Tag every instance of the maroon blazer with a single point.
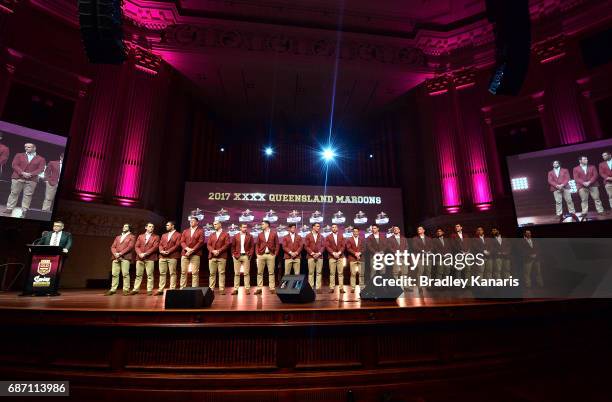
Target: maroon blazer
<point x="295" y="246"/>
<point x="376" y="247"/>
<point x="438" y="247"/>
<point x="393" y="246"/>
<point x="580" y="177"/>
<point x="460" y="245"/>
<point x="172" y="245"/>
<point x="150" y="248"/>
<point x="563" y="178"/>
<point x="222" y="244"/>
<point x="351" y="249"/>
<point x="21" y="164"/>
<point x="52" y="173"/>
<point x="419" y="245"/>
<point x="125" y="248"/>
<point x="604" y="172"/>
<point x="502" y="250"/>
<point x="195" y="242"/>
<point x="249" y="245"/>
<point x="478" y="246"/>
<point x="332" y="247"/>
<point x="4" y="154"/>
<point x="313" y="247"/>
<point x="272" y="243"/>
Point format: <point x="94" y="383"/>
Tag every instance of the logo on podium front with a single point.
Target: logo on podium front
<point x="44" y="267"/>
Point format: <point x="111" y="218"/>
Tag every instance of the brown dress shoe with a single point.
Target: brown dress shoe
<point x="149" y="293"/>
<point x="158" y="293"/>
<point x="234" y="292"/>
<point x="342" y="290"/>
<point x="352" y="290"/>
<point x="258" y="292"/>
<point x="222" y="292"/>
<point x="331" y="290"/>
<point x="133" y="292"/>
<point x="272" y="291"/>
<point x="247" y="292"/>
<point x="126" y="292"/>
<point x="110" y="293"/>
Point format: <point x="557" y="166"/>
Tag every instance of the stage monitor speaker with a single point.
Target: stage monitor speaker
<point x="380" y="293"/>
<point x="295" y="289"/>
<point x="188" y="298"/>
<point x="102" y="31"/>
<point x="512" y="29"/>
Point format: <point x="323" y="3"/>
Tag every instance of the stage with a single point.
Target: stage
<point x="256" y="348"/>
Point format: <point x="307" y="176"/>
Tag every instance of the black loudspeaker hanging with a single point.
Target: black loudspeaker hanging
<point x="102" y="31"/>
<point x="512" y="28"/>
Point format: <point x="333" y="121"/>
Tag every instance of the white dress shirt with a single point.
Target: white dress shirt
<point x="147" y="237"/>
<point x="584" y="168"/>
<point x="557" y="170"/>
<point x="55" y="238"/>
<point x="193" y="231"/>
<point x="242" y="241"/>
<point x="123" y="236"/>
<point x="30" y="156"/>
<point x="266" y="236"/>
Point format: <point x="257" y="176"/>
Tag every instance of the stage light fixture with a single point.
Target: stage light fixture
<point x="222" y="149"/>
<point x="520" y="183"/>
<point x="371" y="156"/>
<point x="328" y="154"/>
<point x="268" y="151"/>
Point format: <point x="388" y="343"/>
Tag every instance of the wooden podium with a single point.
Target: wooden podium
<point x="43" y="270"/>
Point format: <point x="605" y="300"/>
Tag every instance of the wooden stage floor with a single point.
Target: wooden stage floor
<point x="94" y="300"/>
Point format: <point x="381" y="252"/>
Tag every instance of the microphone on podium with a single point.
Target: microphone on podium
<point x="44" y="233"/>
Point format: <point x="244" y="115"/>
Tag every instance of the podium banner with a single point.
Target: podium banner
<point x="43" y="273"/>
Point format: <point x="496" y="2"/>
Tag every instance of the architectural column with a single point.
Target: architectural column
<point x="443" y="133"/>
<point x="561" y="92"/>
<point x="492" y="155"/>
<point x="469" y="123"/>
<point x="140" y="102"/>
<point x="590" y="118"/>
<point x="100" y="132"/>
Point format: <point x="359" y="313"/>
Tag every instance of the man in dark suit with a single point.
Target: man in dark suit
<point x="586" y="176"/>
<point x="421" y="243"/>
<point x="26" y="168"/>
<point x="531" y="262"/>
<point x="396" y="243"/>
<point x="500" y="251"/>
<point x="482" y="245"/>
<point x="375" y="244"/>
<point x="460" y="245"/>
<point x="558" y="179"/>
<point x="57" y="237"/>
<point x="441" y="245"/>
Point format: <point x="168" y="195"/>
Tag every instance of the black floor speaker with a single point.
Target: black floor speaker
<point x="380" y="293"/>
<point x="189" y="298"/>
<point x="295" y="289"/>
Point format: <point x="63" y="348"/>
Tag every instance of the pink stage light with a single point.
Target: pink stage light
<point x="453" y="210"/>
<point x="483" y="207"/>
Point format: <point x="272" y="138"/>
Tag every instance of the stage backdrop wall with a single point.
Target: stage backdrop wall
<point x="233" y="204"/>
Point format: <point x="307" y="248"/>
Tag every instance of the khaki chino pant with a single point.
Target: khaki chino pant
<point x="609" y="191"/>
<point x="336" y="265"/>
<point x="501" y="268"/>
<point x="140" y="268"/>
<point x="17" y="186"/>
<point x="165" y="265"/>
<point x="246" y="263"/>
<point x="292" y="263"/>
<point x="122" y="266"/>
<point x="315" y="265"/>
<point x="194" y="260"/>
<point x="584" y="193"/>
<point x="356" y="266"/>
<point x="263" y="261"/>
<point x="532" y="265"/>
<point x="560" y="195"/>
<point x="214" y="265"/>
<point x="49" y="196"/>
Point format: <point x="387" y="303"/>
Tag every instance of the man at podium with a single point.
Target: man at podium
<point x="57" y="237"/>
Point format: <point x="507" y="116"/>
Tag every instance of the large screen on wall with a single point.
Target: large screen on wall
<point x="348" y="207"/>
<point x="31" y="167"/>
<point x="571" y="183"/>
